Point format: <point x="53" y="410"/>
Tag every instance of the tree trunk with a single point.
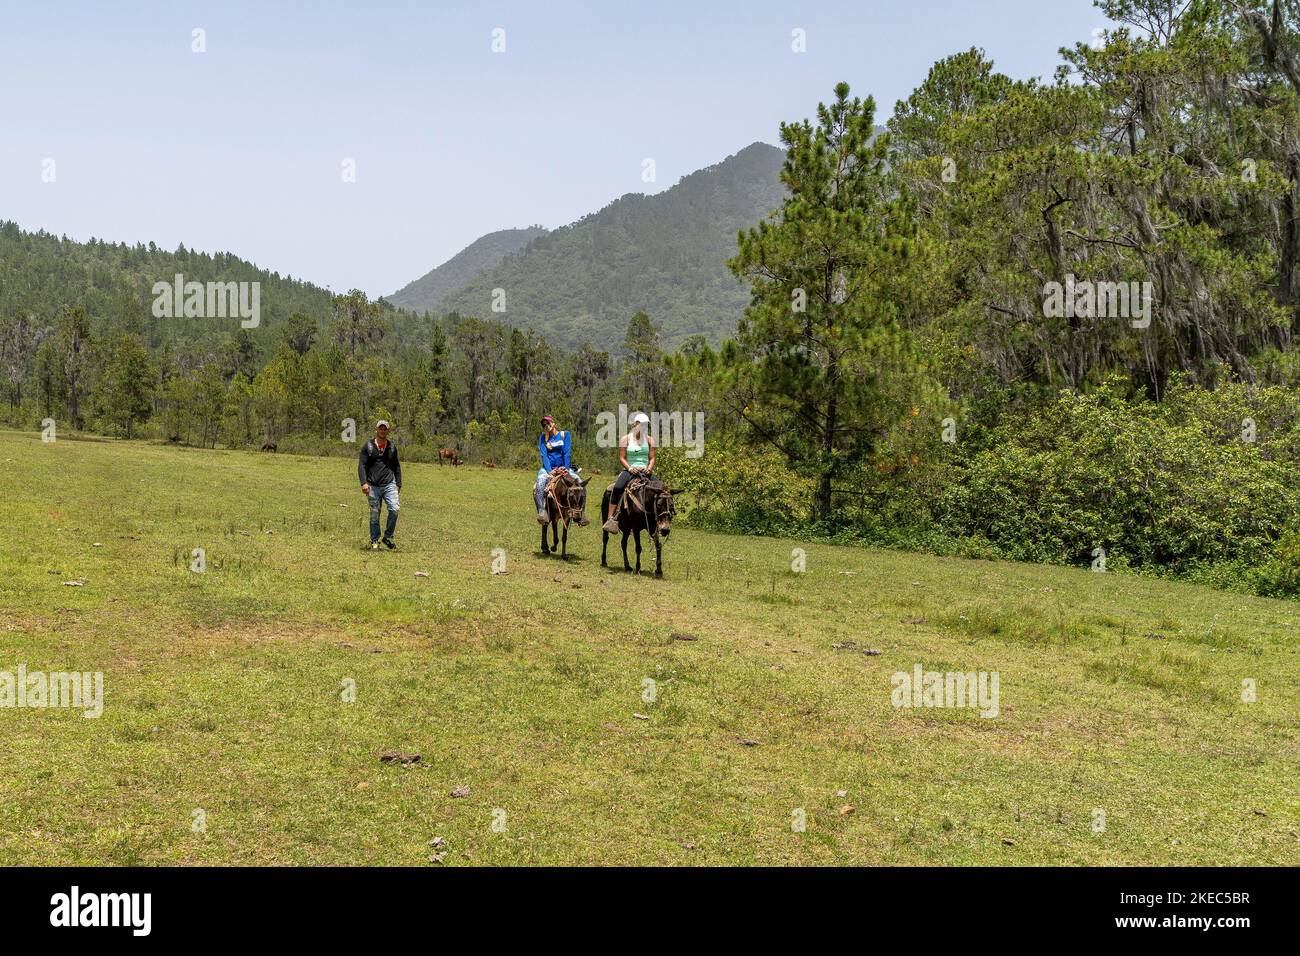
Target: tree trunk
<point x="822" y="503"/>
<point x="74" y="403"/>
<point x="824" y="483"/>
<point x="1289" y="263"/>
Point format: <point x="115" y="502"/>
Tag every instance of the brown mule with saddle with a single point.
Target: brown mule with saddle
<point x="565" y="498"/>
<point x="646" y="505"/>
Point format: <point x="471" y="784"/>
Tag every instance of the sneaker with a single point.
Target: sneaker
<point x="541" y="517"/>
<point x="611" y="525"/>
<point x="374" y="545"/>
<point x="388" y="543"/>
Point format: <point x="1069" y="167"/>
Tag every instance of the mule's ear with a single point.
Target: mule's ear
<point x="584" y="482"/>
<point x="676" y="491"/>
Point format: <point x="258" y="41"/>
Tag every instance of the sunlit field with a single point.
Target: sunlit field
<point x="724" y="714"/>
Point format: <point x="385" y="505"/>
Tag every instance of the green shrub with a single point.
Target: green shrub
<point x="743" y="489"/>
<point x="1169" y="487"/>
<point x="1166" y="486"/>
<point x="1280" y="575"/>
<point x="1201" y="485"/>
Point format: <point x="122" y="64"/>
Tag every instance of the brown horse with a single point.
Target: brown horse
<point x="448" y="455"/>
<point x="566" y="496"/>
<point x="647" y="506"/>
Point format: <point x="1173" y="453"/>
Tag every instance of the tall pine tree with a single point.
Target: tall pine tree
<point x="821" y="333"/>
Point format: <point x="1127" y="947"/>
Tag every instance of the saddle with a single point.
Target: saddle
<point x="631" y="491"/>
<point x="553" y="480"/>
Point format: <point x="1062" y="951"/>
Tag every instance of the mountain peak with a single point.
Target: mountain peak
<point x="664" y="254"/>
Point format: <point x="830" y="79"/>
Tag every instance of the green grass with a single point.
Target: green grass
<point x="222" y="690"/>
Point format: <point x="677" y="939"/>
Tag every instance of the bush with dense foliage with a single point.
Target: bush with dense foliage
<point x="1201" y="484"/>
<point x="1169" y="485"/>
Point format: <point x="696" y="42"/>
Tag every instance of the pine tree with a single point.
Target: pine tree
<point x="125" y="393"/>
<point x="820" y="331"/>
<point x="439" y="369"/>
<point x="74" y="343"/>
<point x="51" y="386"/>
<point x="645" y="378"/>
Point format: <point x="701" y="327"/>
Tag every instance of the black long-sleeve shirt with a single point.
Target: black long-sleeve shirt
<point x="375" y="467"/>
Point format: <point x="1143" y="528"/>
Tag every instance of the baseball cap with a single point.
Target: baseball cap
<point x="383" y="423"/>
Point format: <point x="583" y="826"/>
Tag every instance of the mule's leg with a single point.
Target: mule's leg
<point x="604" y="544"/>
<point x="555" y="536"/>
<point x="659" y="557"/>
<point x="545" y="550"/>
<point x="564" y="548"/>
<point x="627" y="565"/>
<point x="638" y="550"/>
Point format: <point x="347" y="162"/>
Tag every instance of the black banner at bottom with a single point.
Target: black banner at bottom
<point x="340" y="906"/>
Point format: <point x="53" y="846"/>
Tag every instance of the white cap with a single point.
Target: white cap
<point x="383" y="423"/>
<point x="640" y="418"/>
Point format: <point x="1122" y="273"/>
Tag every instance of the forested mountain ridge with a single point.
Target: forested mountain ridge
<point x="112" y="282"/>
<point x="664" y="255"/>
<point x="41" y="274"/>
<point x="427" y="293"/>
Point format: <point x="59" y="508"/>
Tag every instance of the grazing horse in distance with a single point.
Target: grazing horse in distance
<point x="565" y="498"/>
<point x="448" y="455"/>
<point x="647" y="505"/>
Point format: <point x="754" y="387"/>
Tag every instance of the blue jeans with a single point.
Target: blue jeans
<point x="378" y="495"/>
<point x="539" y="488"/>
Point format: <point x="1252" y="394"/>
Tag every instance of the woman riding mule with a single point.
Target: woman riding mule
<point x="555" y="448"/>
<point x="636" y="453"/>
<point x="649" y="504"/>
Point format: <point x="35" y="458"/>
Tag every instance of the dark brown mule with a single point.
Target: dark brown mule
<point x="646" y="506"/>
<point x="565" y="498"/>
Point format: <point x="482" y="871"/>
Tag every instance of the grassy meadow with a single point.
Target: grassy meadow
<point x="223" y="691"/>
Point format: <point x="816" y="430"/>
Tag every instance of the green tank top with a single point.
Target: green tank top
<point x="638" y="456"/>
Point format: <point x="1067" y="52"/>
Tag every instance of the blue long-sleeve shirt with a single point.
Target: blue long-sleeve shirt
<point x="554" y="450"/>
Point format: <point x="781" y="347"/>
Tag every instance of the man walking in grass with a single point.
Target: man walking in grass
<point x="381" y="479"/>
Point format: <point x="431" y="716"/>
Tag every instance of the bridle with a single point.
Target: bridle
<point x="566" y="512"/>
<point x="663" y="505"/>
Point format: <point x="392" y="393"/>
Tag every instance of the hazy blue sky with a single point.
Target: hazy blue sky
<point x="240" y="148"/>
